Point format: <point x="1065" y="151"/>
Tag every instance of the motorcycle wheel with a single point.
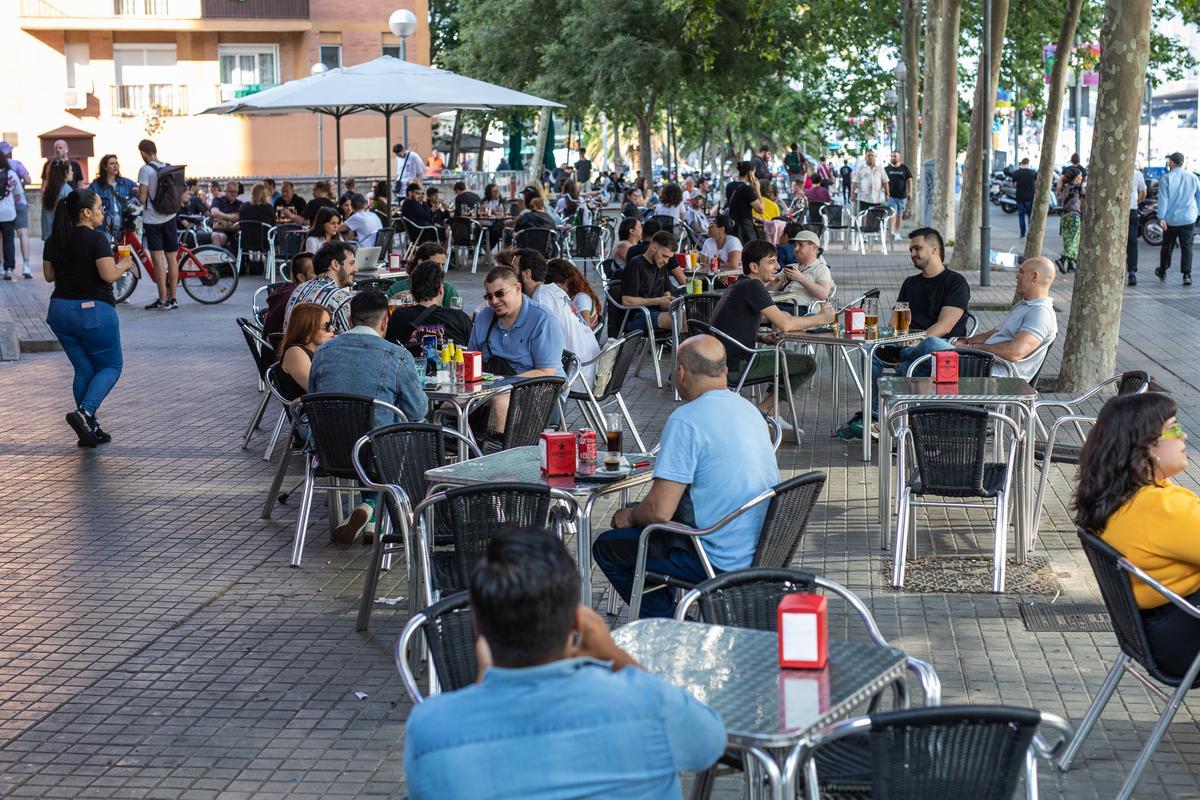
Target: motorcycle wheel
<point x="1008" y="208"/>
<point x="1151" y="233"/>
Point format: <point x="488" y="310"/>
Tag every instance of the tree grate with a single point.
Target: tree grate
<point x="973" y="575"/>
<point x="1065" y="618"/>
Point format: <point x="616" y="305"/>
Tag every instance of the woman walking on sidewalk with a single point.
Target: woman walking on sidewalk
<point x="1070" y="199"/>
<point x="79" y="262"/>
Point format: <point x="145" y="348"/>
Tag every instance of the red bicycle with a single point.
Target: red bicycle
<point x="207" y="272"/>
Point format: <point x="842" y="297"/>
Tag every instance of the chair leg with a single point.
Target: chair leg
<point x="637" y="437"/>
<point x="277" y="482"/>
<point x="305" y="509"/>
<point x="702" y="787"/>
<point x="903" y="525"/>
<point x="1000" y="544"/>
<point x="1036" y="522"/>
<point x="254" y="422"/>
<point x="1094" y="710"/>
<point x="371" y="580"/>
<point x="1160" y="729"/>
<point x="275" y="434"/>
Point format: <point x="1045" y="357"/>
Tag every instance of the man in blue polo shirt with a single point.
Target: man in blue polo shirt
<point x="693" y="483"/>
<point x="516" y="336"/>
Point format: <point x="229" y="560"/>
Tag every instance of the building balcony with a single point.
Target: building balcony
<point x="227" y="91"/>
<point x="165" y="15"/>
<point x="164" y="99"/>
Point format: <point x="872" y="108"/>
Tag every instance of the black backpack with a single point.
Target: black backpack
<point x="169" y="187"/>
<point x="3" y="183"/>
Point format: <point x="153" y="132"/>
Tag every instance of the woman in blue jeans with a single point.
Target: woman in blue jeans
<point x="79" y="261"/>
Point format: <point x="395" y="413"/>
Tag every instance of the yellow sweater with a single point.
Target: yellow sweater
<point x="1158" y="530"/>
<point x="770" y="209"/>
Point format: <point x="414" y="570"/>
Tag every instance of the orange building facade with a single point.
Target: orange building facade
<point x="124" y="70"/>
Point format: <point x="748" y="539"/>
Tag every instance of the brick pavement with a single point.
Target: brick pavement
<point x="156" y="644"/>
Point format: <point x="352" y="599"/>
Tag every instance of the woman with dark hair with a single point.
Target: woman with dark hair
<point x="309" y="326"/>
<point x="1124" y="494"/>
<point x="115" y="191"/>
<point x="632" y="205"/>
<point x="630" y="232"/>
<point x="79" y="261"/>
<point x="671" y="203"/>
<point x="569" y="205"/>
<point x="324" y="229"/>
<point x="491" y="198"/>
<point x="564" y="274"/>
<point x="56" y="186"/>
<point x="722" y="244"/>
<point x="380" y="200"/>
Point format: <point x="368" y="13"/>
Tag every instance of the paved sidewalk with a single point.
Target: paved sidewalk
<point x="155" y="643"/>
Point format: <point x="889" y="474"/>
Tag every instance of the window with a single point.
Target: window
<point x="392" y="50"/>
<point x="146" y="77"/>
<point x="331" y="55"/>
<point x="77" y="56"/>
<point x="246" y="69"/>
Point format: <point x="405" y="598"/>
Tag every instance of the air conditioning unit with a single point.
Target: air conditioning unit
<point x="75" y="99"/>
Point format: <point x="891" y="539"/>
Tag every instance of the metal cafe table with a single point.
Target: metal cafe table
<point x="897" y="394"/>
<point x="840" y="343"/>
<point x="465" y="397"/>
<point x="769" y="712"/>
<point x="523" y="465"/>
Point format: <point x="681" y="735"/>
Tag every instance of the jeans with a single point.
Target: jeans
<point x="8" y="230"/>
<point x="91" y="337"/>
<point x="930" y="344"/>
<point x="1174" y="636"/>
<point x="1131" y="244"/>
<point x="1024" y="211"/>
<point x="615" y="552"/>
<point x="1171" y="235"/>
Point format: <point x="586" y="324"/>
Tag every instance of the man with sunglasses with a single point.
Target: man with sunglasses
<point x="516" y="336"/>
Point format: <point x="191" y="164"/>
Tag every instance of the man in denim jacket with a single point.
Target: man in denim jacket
<point x="559" y="710"/>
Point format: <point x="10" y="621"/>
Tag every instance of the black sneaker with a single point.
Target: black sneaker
<point x="8" y="274"/>
<point x="83" y="429"/>
<point x="1187" y="280"/>
<point x="157" y="304"/>
<point x="1132" y="279"/>
<point x="172" y="304"/>
<point x="1160" y="273"/>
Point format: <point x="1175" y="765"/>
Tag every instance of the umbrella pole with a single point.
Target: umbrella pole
<point x="387" y="147"/>
<point x="338" y="187"/>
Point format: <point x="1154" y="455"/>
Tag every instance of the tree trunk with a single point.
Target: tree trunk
<point x="946" y="151"/>
<point x="618" y="158"/>
<point x="643" y="116"/>
<point x="1054" y="115"/>
<point x="912" y="62"/>
<point x="455" y="141"/>
<point x="483" y="134"/>
<point x="930" y="104"/>
<point x="1090" y="353"/>
<point x="539" y="149"/>
<point x="966" y="244"/>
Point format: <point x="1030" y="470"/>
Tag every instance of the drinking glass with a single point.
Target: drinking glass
<point x="612" y="434"/>
<point x="901" y="317"/>
<point x="456" y="303"/>
<point x="871" y="311"/>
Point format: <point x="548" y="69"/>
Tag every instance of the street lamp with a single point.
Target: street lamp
<point x="403" y="23"/>
<point x="901" y="73"/>
<point x="320" y="69"/>
<point x="892" y="99"/>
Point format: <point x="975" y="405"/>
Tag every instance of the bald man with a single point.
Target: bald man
<point x="1025" y="335"/>
<point x="716" y="455"/>
<point x="62" y="152"/>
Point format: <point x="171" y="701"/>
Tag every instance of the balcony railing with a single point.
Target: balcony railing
<point x="229" y="91"/>
<point x="254" y="9"/>
<point x="131" y="99"/>
<point x="142" y="8"/>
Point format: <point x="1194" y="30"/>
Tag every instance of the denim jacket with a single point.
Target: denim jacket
<point x="114" y="199"/>
<point x="570" y="728"/>
<point x="360" y="361"/>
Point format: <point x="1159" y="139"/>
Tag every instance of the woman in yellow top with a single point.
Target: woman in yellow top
<point x="1124" y="493"/>
<point x="769" y="196"/>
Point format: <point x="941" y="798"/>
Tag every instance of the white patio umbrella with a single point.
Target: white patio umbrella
<point x="385" y="85"/>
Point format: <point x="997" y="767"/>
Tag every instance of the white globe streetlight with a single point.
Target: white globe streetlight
<point x="320" y="69"/>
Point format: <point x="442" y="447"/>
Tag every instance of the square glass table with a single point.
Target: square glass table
<point x="769" y="712"/>
<point x="523" y="465"/>
<point x="464" y="398"/>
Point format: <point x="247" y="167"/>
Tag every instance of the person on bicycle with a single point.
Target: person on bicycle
<point x="158" y="230"/>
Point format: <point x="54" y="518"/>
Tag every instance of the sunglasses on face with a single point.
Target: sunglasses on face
<point x="327" y="327"/>
<point x="1173" y="432"/>
<point x="496" y="295"/>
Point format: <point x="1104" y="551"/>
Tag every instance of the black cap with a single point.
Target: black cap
<point x="1176" y="158"/>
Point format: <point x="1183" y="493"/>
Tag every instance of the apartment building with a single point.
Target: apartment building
<point x="122" y="70"/>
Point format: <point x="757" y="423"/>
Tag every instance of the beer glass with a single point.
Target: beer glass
<point x="901" y="317"/>
<point x="871" y="311"/>
<point x="612" y="434"/>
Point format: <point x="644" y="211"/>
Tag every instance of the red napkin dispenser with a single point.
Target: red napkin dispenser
<point x="472" y="366"/>
<point x="803" y="631"/>
<point x="854" y="320"/>
<point x="557" y="452"/>
<point x="945" y="367"/>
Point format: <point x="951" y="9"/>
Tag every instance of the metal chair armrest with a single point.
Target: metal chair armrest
<point x="1175" y="599"/>
<point x="410" y="681"/>
<point x="1047" y="749"/>
<point x="1052" y="435"/>
<point x="931" y="684"/>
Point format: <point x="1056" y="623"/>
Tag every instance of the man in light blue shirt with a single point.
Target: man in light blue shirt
<point x="716" y="455"/>
<point x="559" y="710"/>
<point x="1178" y="207"/>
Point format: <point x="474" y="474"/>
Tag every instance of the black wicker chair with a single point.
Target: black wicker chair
<point x="286" y="242"/>
<point x="873" y="222"/>
<point x="544" y="240"/>
<point x="264" y="356"/>
<point x="449" y="636"/>
<point x="588" y="243"/>
<point x="971" y="364"/>
<point x="400" y="455"/>
<point x="466" y="234"/>
<point x="336" y="422"/>
<point x="837" y="219"/>
<point x="778" y="379"/>
<point x="383" y="240"/>
<point x="418" y="235"/>
<point x="934" y="753"/>
<point x="254" y="245"/>
<point x="949" y="444"/>
<point x="612" y="368"/>
<point x="531" y="403"/>
<point x="472" y="515"/>
<point x="1114" y="574"/>
<point x="790" y="504"/>
<point x="1050" y="450"/>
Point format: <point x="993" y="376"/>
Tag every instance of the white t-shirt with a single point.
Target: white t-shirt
<point x="148" y="177"/>
<point x="732" y="245"/>
<point x="1035" y="317"/>
<point x="365" y="225"/>
<point x="678" y="212"/>
<point x="1139" y="185"/>
<point x="579" y="338"/>
<point x="871" y="182"/>
<point x="583" y="303"/>
<point x="560" y="208"/>
<point x="410" y="168"/>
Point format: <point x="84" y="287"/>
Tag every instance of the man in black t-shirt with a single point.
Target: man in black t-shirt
<point x="762" y="164"/>
<point x="428" y="317"/>
<point x="1025" y="181"/>
<point x="899" y="188"/>
<point x="464" y="198"/>
<point x="740" y="312"/>
<point x="644" y="283"/>
<point x="846" y="173"/>
<point x="937" y="298"/>
<point x="290" y="204"/>
<point x="320" y="199"/>
<point x="583" y="168"/>
<point x="742" y="199"/>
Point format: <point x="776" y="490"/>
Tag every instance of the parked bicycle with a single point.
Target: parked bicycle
<point x="206" y="272"/>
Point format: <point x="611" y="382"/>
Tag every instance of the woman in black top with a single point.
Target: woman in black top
<point x="79" y="261"/>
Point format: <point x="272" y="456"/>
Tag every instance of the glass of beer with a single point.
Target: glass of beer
<point x="901" y="317"/>
<point x="612" y="433"/>
<point x="871" y="310"/>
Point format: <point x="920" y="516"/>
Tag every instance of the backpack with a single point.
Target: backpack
<point x="168" y="192"/>
<point x="4" y="173"/>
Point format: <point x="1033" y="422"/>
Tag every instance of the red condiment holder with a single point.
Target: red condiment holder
<point x="945" y="367"/>
<point x="854" y="320"/>
<point x="803" y="631"/>
<point x="557" y="452"/>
